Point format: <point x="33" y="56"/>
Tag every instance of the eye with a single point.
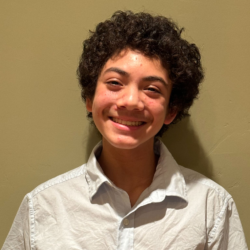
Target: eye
<point x="113" y="82"/>
<point x="153" y="89"/>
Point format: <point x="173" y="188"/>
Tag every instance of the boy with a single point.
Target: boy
<point x="138" y="76"/>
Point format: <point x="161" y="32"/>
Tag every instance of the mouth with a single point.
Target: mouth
<point x="127" y="123"/>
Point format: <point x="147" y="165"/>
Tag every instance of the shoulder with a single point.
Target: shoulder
<point x="62" y="181"/>
<point x="220" y="212"/>
<point x="205" y="195"/>
<point x="198" y="182"/>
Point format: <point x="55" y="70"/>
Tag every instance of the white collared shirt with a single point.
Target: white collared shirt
<point x="83" y="209"/>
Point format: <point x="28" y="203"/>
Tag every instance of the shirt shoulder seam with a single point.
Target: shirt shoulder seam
<point x="32" y="221"/>
<point x="212" y="233"/>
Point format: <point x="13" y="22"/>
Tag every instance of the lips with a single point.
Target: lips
<point x="127" y="123"/>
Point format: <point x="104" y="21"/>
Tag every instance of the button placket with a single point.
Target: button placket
<point x="126" y="233"/>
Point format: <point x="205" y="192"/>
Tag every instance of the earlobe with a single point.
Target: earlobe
<point x="89" y="105"/>
<point x="170" y="116"/>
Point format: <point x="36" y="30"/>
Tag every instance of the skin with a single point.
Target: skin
<point x="129" y="107"/>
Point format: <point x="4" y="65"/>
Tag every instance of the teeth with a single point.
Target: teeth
<point x="128" y="123"/>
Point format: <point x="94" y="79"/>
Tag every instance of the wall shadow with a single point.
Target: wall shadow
<point x="184" y="145"/>
<point x="93" y="138"/>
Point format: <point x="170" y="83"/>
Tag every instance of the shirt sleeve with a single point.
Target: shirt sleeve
<point x="227" y="233"/>
<point x="19" y="235"/>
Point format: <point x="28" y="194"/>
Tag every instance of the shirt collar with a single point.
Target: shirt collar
<point x="168" y="179"/>
<point x="94" y="174"/>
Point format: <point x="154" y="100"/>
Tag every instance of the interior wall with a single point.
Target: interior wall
<point x="43" y="129"/>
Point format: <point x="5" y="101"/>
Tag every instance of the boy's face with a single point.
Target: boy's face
<point x="130" y="104"/>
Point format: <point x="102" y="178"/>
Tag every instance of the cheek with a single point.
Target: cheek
<point x="103" y="100"/>
<point x="106" y="98"/>
<point x="156" y="107"/>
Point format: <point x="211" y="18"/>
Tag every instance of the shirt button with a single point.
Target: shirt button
<point x="125" y="222"/>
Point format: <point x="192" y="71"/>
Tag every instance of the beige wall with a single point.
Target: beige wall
<point x="43" y="130"/>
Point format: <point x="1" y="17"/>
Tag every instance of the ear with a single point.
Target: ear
<point x="171" y="114"/>
<point x="89" y="104"/>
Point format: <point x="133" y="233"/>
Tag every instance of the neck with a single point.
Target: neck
<point x="129" y="169"/>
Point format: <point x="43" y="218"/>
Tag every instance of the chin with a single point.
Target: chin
<point x="129" y="143"/>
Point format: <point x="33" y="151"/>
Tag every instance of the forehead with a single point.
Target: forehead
<point x="133" y="54"/>
<point x="135" y="61"/>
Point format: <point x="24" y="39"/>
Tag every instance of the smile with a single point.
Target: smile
<point x="128" y="123"/>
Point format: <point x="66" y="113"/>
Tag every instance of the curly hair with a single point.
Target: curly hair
<point x="155" y="37"/>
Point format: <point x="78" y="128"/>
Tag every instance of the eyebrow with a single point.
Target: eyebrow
<point x="117" y="70"/>
<point x="147" y="78"/>
<point x="155" y="78"/>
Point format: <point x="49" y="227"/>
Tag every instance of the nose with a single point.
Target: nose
<point x="131" y="99"/>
